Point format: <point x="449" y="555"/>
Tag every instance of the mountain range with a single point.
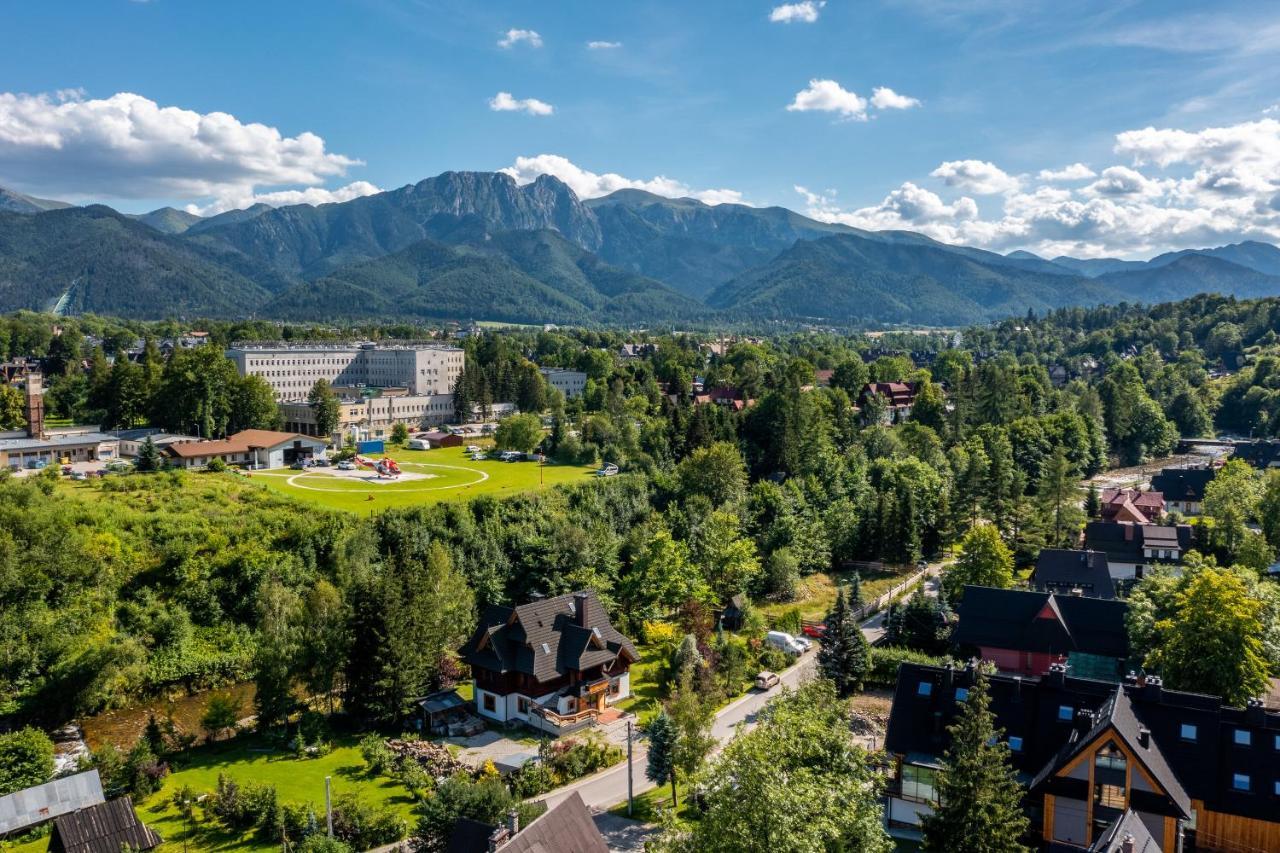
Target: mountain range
<point x="477" y="245"/>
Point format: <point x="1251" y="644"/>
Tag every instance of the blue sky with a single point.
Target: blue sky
<point x="983" y="97"/>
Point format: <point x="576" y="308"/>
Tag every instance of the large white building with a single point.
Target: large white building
<point x="570" y="383"/>
<point x="374" y="417"/>
<point x="292" y="369"/>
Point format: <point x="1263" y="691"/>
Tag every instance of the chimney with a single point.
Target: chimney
<point x="1126" y="846"/>
<point x="1255" y="712"/>
<point x="1144" y="737"/>
<point x="948" y="677"/>
<point x="1083" y="722"/>
<point x="513" y="822"/>
<point x="580" y="607"/>
<point x="34" y="409"/>
<point x="1153" y="688"/>
<point x="1131" y="679"/>
<point x="498" y="838"/>
<point x="1057" y="675"/>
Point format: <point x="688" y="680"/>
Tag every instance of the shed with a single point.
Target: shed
<point x="732" y="615"/>
<point x="105" y="828"/>
<point x="439" y="707"/>
<point x="439" y="438"/>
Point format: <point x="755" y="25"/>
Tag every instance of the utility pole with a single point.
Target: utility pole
<point x="630" y="784"/>
<point x="328" y="806"/>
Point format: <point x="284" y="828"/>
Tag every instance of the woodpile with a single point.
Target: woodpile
<point x="432" y="757"/>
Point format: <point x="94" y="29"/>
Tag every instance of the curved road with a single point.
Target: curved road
<point x="609" y="787"/>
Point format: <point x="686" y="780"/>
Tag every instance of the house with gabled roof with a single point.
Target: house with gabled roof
<point x="1098" y="759"/>
<point x="1026" y="632"/>
<point x="555" y="664"/>
<point x="1072" y="572"/>
<point x="1132" y="505"/>
<point x="1132" y="549"/>
<point x="1183" y="488"/>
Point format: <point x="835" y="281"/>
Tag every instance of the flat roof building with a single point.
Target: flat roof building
<point x="291" y="369"/>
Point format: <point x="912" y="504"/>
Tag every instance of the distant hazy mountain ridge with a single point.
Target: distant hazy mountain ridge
<point x="479" y="245"/>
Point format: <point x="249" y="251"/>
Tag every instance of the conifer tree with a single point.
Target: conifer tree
<point x="979" y="806"/>
<point x="844" y="656"/>
<point x="662" y="752"/>
<point x="1092" y="502"/>
<point x="855" y="591"/>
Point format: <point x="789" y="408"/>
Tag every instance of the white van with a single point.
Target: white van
<point x="786" y="642"/>
<point x="419" y="444"/>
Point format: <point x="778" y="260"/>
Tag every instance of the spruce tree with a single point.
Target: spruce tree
<point x="1092" y="502"/>
<point x="855" y="591"/>
<point x="844" y="656"/>
<point x="662" y="752"/>
<point x="148" y="455"/>
<point x="979" y="806"/>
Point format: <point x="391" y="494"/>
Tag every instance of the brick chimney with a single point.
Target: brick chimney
<point x="513" y="822"/>
<point x="1126" y="846"/>
<point x="498" y="838"/>
<point x="580" y="608"/>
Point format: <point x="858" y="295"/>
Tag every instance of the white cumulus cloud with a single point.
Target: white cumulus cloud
<point x="805" y="12"/>
<point x="603" y="45"/>
<point x="884" y="98"/>
<point x="1074" y="172"/>
<point x="129" y="147"/>
<point x="828" y="96"/>
<point x="587" y="184"/>
<point x="976" y="176"/>
<point x="514" y="37"/>
<point x="505" y="102"/>
<point x="280" y="198"/>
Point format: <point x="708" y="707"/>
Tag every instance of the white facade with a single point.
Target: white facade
<point x="374" y="417"/>
<point x="570" y="383"/>
<point x="515" y="707"/>
<point x="292" y="369"/>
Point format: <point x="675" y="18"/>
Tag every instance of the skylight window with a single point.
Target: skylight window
<point x="1066" y="712"/>
<point x="1015" y="744"/>
<point x="1188" y="731"/>
<point x="1241" y="781"/>
<point x="925" y="688"/>
<point x="546" y="649"/>
<point x="962" y="693"/>
<point x="1243" y="737"/>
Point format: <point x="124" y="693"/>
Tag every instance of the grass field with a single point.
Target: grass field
<point x="248" y="759"/>
<point x="430" y="476"/>
<point x="817" y="592"/>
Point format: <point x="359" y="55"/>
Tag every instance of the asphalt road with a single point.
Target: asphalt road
<point x="609" y="787"/>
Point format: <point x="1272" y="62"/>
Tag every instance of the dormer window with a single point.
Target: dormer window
<point x="1243" y="737"/>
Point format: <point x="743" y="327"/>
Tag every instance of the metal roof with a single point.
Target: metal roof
<point x="37" y="804"/>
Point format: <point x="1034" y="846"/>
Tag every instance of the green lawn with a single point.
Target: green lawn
<point x="644" y="699"/>
<point x="817" y="592"/>
<point x="444" y="474"/>
<point x="649" y="806"/>
<point x="249" y="759"/>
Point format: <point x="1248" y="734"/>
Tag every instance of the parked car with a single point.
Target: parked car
<point x="786" y="642"/>
<point x="419" y="444"/>
<point x="300" y="465"/>
<point x="321" y="461"/>
<point x="473" y="448"/>
<point x="38" y="464"/>
<point x="805" y="643"/>
<point x="766" y="680"/>
<point x="346" y="465"/>
<point x="79" y="475"/>
<point x="817" y="630"/>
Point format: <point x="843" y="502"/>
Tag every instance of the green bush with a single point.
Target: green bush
<point x="216" y="465"/>
<point x="885" y="662"/>
<point x="378" y="757"/>
<point x="790" y="621"/>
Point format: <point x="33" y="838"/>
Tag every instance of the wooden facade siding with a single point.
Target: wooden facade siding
<point x="1227" y="833"/>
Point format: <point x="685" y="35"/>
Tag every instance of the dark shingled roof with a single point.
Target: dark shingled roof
<point x="1183" y="484"/>
<point x="1259" y="454"/>
<point x="1127" y="826"/>
<point x="1031" y="621"/>
<point x="544" y="639"/>
<point x="1062" y="570"/>
<point x="105" y="828"/>
<point x="1117" y="717"/>
<point x="1122" y="543"/>
<point x="566" y="828"/>
<point x="1029" y="708"/>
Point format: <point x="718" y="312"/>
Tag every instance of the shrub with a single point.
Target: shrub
<point x="378" y="757"/>
<point x="790" y="621"/>
<point x="220" y="714"/>
<point x="216" y="465"/>
<point x="318" y="842"/>
<point x="26" y="759"/>
<point x="885" y="661"/>
<point x="299" y="821"/>
<point x="364" y="827"/>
